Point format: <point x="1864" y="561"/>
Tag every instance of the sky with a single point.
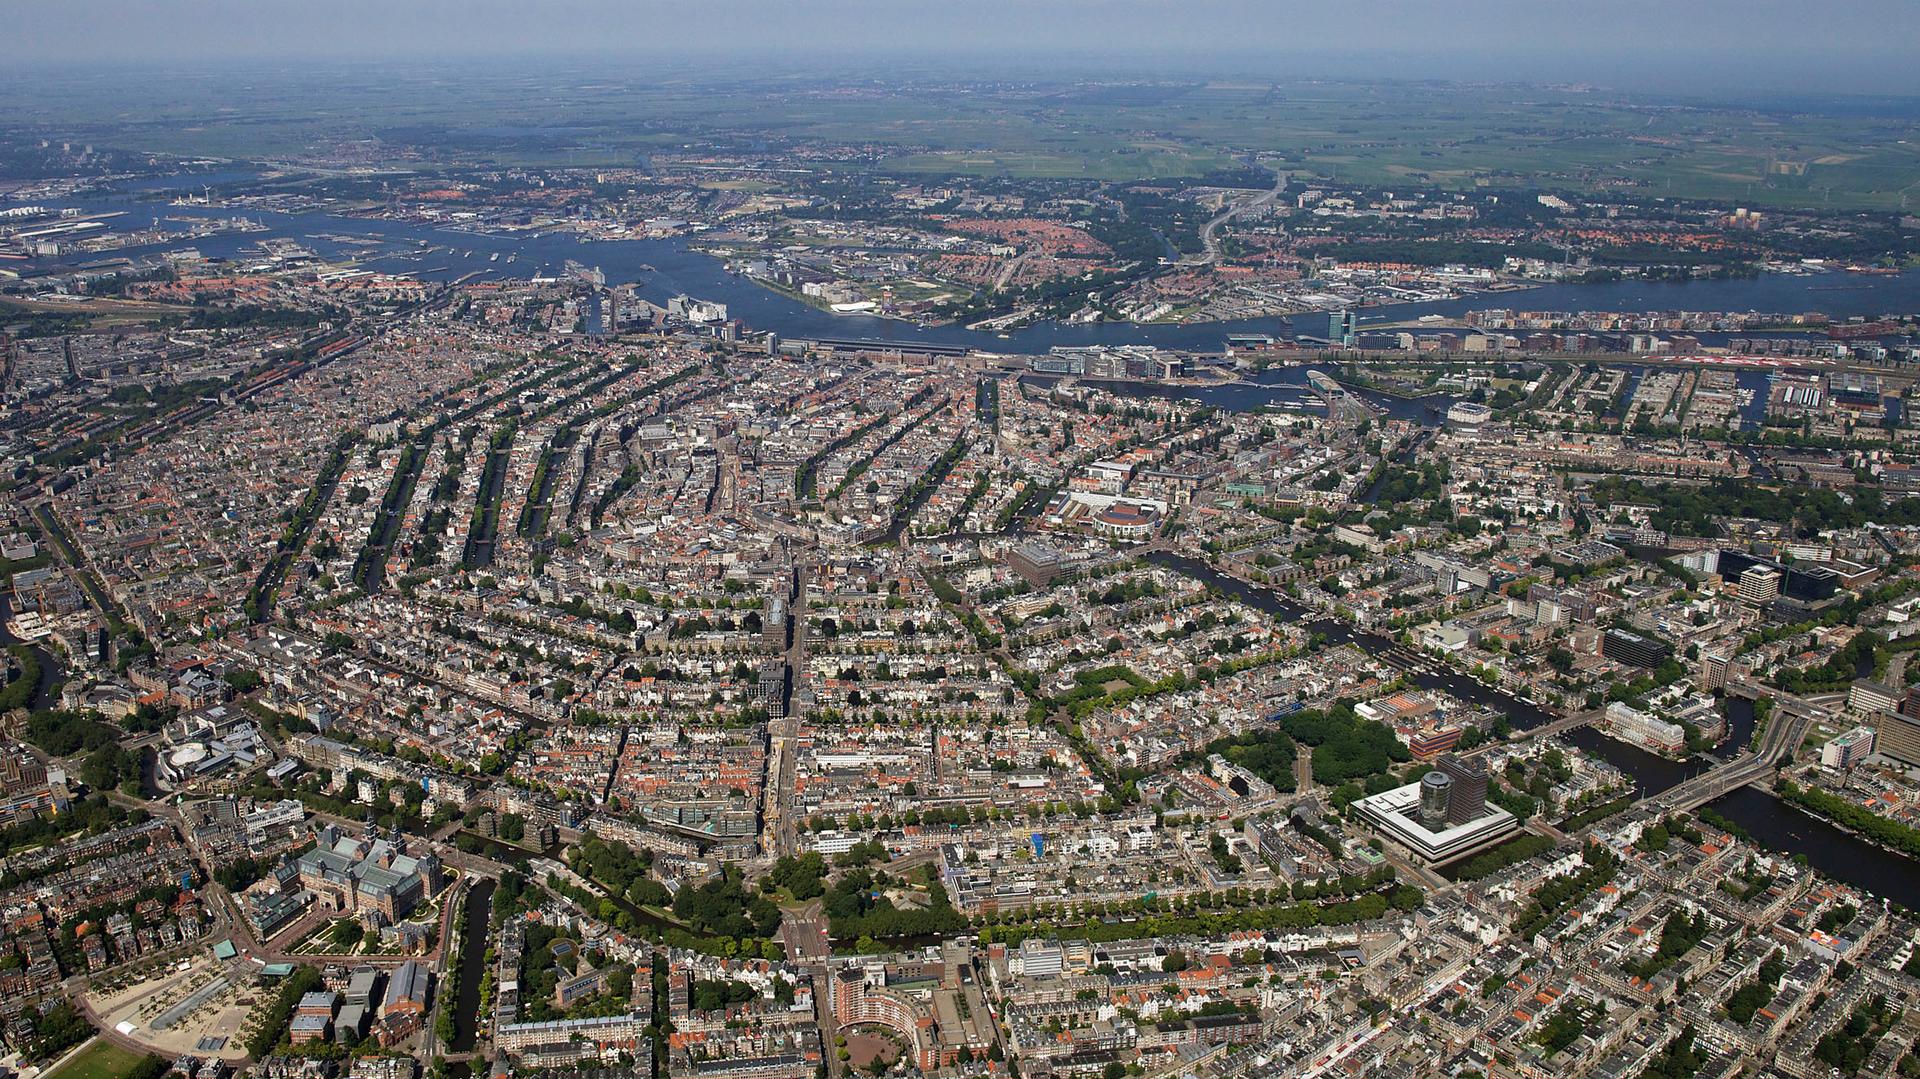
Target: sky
<point x="1697" y="46"/>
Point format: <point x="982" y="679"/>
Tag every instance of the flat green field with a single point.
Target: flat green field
<point x="1817" y="154"/>
<point x="1086" y="165"/>
<point x="100" y="1060"/>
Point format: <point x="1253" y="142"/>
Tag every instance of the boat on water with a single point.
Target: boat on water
<point x="495" y="257"/>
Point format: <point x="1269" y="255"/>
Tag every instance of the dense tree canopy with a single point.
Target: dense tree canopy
<point x="1689" y="511"/>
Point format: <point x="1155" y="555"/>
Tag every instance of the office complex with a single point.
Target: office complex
<point x="1627" y="646"/>
<point x="1418" y="818"/>
<point x="1848" y="748"/>
<point x="1897" y="735"/>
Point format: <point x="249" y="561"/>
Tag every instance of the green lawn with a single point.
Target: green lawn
<point x="100" y="1060"/>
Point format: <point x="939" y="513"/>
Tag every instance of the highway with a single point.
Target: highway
<point x="1209" y="237"/>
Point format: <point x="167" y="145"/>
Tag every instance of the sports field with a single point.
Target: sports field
<point x="101" y="1059"/>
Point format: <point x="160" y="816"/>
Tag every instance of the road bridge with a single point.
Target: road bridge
<point x="1783" y="735"/>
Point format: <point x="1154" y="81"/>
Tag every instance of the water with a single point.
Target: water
<point x="192" y="183"/>
<point x="50" y="670"/>
<point x="509" y="854"/>
<point x="1754" y="412"/>
<point x="1651" y="773"/>
<point x="1619" y="411"/>
<point x="1523" y="714"/>
<point x="1279" y="387"/>
<point x="1840" y="295"/>
<point x="668" y="267"/>
<point x="473" y="964"/>
<point x="1830" y="849"/>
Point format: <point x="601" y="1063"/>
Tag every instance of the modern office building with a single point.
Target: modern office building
<point x="1803" y="583"/>
<point x="1340" y="328"/>
<point x="1429" y="742"/>
<point x="1436" y="790"/>
<point x="1468" y="798"/>
<point x="1397" y="815"/>
<point x="1759" y="585"/>
<point x="1714" y="667"/>
<point x="1849" y="749"/>
<point x="1037" y="563"/>
<point x="1810" y="583"/>
<point x="1626" y="646"/>
<point x="1866" y="697"/>
<point x="1897" y="736"/>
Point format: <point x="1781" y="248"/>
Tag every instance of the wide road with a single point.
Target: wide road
<point x="783" y="828"/>
<point x="1209" y="233"/>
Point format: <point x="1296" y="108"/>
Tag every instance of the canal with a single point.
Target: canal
<point x="644" y="920"/>
<point x="473" y="964"/>
<point x="1522" y="714"/>
<point x="50" y="670"/>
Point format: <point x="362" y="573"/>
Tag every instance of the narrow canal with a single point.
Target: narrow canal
<point x="473" y="963"/>
<point x="50" y="669"/>
<point x="643" y="920"/>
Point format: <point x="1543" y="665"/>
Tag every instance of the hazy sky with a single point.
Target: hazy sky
<point x="1793" y="46"/>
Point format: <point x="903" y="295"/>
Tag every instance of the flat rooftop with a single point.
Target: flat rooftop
<point x="1396" y="814"/>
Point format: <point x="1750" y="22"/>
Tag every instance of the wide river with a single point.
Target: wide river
<point x="668" y="267"/>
